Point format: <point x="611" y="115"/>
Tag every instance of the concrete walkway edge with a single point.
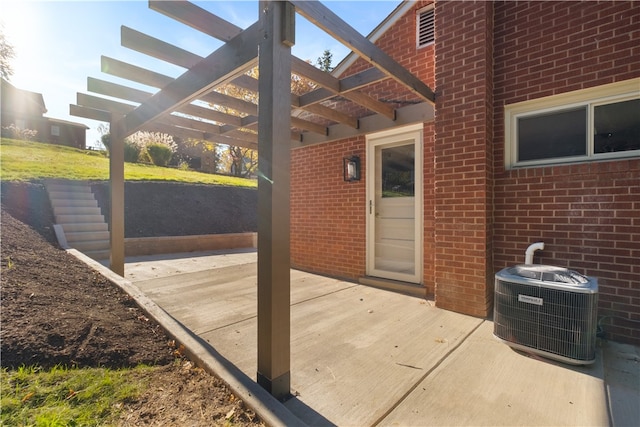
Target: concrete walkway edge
<point x="270" y="410"/>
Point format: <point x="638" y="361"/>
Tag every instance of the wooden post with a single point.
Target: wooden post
<point x="116" y="184"/>
<point x="274" y="133"/>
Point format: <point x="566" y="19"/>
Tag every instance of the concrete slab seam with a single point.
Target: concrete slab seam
<point x="429" y="371"/>
<point x="269" y="409"/>
<point x="324" y="295"/>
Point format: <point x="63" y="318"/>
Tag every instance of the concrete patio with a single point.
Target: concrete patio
<point x="363" y="356"/>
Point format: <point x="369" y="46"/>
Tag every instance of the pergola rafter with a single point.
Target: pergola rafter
<point x="328" y="122"/>
<point x="191" y="106"/>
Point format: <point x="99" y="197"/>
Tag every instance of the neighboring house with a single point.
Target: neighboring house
<point x="536" y="137"/>
<point x="25" y="110"/>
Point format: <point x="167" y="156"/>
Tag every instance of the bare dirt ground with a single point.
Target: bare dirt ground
<point x="56" y="310"/>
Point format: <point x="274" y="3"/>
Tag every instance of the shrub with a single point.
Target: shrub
<point x="160" y="154"/>
<point x="143" y="139"/>
<point x="22" y="134"/>
<point x="131" y="152"/>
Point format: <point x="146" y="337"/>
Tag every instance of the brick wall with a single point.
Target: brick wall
<point x="399" y="41"/>
<point x="588" y="214"/>
<point x="463" y="166"/>
<point x="429" y="232"/>
<point x="479" y="218"/>
<point x="328" y="214"/>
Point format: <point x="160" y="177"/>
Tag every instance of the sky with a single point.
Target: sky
<point x="58" y="44"/>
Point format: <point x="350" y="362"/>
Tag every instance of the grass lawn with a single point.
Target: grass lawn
<point x="69" y="396"/>
<point x="31" y="161"/>
<point x="65" y="397"/>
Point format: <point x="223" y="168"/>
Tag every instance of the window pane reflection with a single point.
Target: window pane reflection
<point x="617" y="127"/>
<point x="556" y="134"/>
<point x="398" y="172"/>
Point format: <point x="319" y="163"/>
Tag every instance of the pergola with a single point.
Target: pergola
<point x="185" y="107"/>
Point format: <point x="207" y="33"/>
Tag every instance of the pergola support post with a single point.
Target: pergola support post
<point x="274" y="133"/>
<point x="116" y="185"/>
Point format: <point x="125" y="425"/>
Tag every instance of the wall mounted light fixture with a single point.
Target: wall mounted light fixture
<point x="351" y="168"/>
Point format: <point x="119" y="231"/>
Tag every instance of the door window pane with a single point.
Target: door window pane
<point x="398" y="171"/>
<point x="617" y="127"/>
<point x="553" y="135"/>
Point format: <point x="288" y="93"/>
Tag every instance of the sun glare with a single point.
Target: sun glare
<point x="21" y="22"/>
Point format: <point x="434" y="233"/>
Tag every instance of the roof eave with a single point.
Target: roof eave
<point x="374" y="35"/>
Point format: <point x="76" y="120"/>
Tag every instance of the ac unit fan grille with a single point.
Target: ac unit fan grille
<point x="564" y="324"/>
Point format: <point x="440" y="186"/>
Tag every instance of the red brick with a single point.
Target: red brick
<point x="478" y="216"/>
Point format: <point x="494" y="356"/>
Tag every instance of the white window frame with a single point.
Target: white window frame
<point x="591" y="98"/>
<point x="55" y="130"/>
<point x="418" y="13"/>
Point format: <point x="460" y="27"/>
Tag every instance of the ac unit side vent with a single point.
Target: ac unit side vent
<point x="553" y="322"/>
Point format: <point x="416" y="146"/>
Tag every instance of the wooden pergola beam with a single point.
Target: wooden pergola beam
<point x="190" y="123"/>
<point x="205" y="22"/>
<point x="236" y="104"/>
<point x="140" y="96"/>
<point x="231" y="122"/>
<point x="164" y="51"/>
<point x="143" y="43"/>
<point x="168" y="128"/>
<point x="333" y="25"/>
<point x="242" y="134"/>
<point x="134" y="73"/>
<point x="210" y="114"/>
<point x="348" y="84"/>
<point x="115" y="107"/>
<point x="227" y="62"/>
<point x="90" y="113"/>
<point x="116" y="90"/>
<point x="197" y="18"/>
<point x="416" y="113"/>
<point x="308" y="71"/>
<point x="332" y="114"/>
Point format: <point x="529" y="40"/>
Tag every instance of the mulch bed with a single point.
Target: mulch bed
<point x="58" y="311"/>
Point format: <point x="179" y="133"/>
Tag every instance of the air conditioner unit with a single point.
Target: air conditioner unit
<point x="547" y="310"/>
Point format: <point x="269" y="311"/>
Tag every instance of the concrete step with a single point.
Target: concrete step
<point x="66" y="183"/>
<point x="70" y="219"/>
<point x="64" y="188"/>
<point x="60" y="203"/>
<point x="77" y="210"/>
<point x="82" y="236"/>
<point x="91" y="245"/>
<point x="81" y="227"/>
<point x="394" y="285"/>
<point x="79" y="217"/>
<point x="71" y="195"/>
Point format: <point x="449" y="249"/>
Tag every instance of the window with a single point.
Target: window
<point x="592" y="124"/>
<point x="397" y="170"/>
<point x="616" y="127"/>
<point x="425" y="26"/>
<point x="55" y="130"/>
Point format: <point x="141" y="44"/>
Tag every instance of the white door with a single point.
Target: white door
<point x="394" y="192"/>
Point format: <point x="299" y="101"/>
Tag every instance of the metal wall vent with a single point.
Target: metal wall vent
<point x="426" y="27"/>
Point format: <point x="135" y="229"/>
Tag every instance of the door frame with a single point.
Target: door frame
<point x="390" y="137"/>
